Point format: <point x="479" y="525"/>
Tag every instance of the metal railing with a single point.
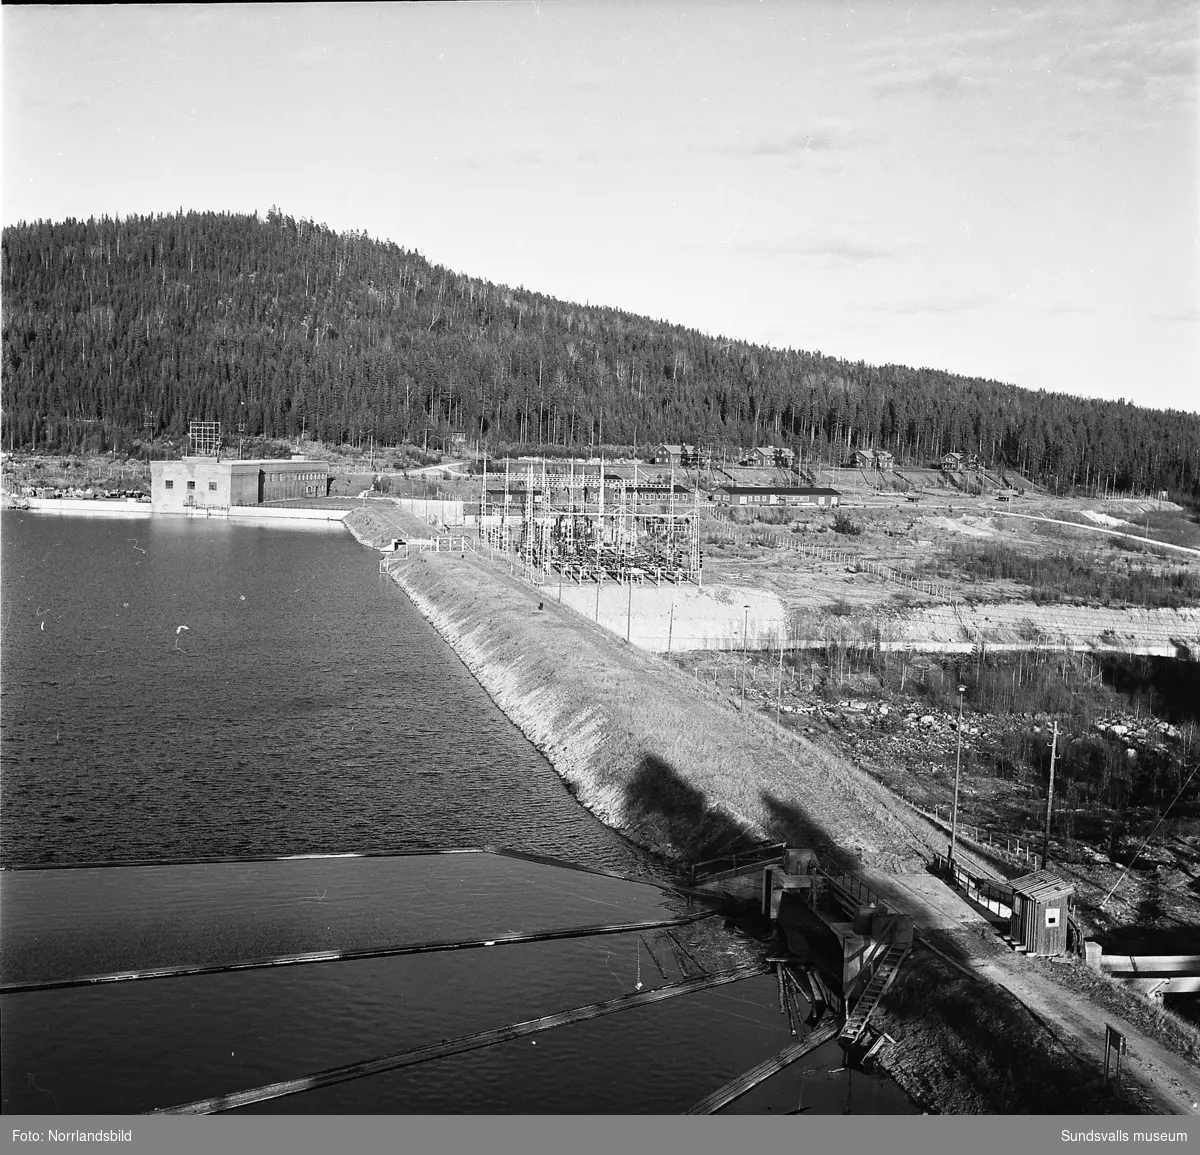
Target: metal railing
<point x="987" y="893"/>
<point x="448" y="544"/>
<point x="732" y="863"/>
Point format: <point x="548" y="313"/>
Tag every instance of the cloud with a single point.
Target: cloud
<point x="936" y="305"/>
<point x="826" y="251"/>
<point x="817" y="138"/>
<point x="38" y="104"/>
<point x="1141" y="58"/>
<point x="937" y="81"/>
<point x="310" y="55"/>
<point x="1155" y="64"/>
<point x="503" y="159"/>
<point x="944" y="62"/>
<point x="591" y="79"/>
<point x="1065" y="307"/>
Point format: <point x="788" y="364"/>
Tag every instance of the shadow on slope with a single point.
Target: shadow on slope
<point x="683" y="816"/>
<point x="681" y="813"/>
<point x="791" y="824"/>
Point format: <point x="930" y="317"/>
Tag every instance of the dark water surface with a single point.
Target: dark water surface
<point x="73" y="924"/>
<point x="308" y="709"/>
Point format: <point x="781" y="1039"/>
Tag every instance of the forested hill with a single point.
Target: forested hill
<point x="112" y="327"/>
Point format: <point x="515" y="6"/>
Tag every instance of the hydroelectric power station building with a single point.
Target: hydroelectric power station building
<point x="212" y="483"/>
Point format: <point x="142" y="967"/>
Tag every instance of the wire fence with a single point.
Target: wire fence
<point x="1016" y="850"/>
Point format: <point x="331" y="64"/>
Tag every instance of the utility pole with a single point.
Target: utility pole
<point x="779" y="687"/>
<point x="1050" y="798"/>
<point x="670" y="628"/>
<point x="149" y="423"/>
<point x="745" y="630"/>
<point x="628" y="608"/>
<point x="957" y="772"/>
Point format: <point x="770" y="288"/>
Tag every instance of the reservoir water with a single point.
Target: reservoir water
<point x="306" y="707"/>
<point x="183" y="690"/>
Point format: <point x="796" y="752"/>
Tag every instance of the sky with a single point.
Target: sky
<point x="1006" y="192"/>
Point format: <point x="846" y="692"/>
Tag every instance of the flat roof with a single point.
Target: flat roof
<point x="192" y="460"/>
<point x="798" y="491"/>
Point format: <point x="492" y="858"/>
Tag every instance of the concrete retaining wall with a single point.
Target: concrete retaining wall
<point x="82" y="507"/>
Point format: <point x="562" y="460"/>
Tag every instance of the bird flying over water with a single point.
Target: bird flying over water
<point x="179" y="630"/>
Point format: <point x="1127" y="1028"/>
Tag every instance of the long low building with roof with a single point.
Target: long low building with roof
<point x="748" y="496"/>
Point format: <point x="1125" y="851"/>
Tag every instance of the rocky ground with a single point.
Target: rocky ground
<point x="911" y="746"/>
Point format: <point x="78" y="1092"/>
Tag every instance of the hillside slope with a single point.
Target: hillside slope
<point x="117" y="329"/>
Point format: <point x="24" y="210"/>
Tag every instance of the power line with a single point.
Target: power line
<point x="1149" y="836"/>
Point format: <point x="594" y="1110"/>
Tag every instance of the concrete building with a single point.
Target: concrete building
<point x="755" y="496"/>
<point x="214" y="483"/>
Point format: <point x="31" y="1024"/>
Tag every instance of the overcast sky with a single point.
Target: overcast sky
<point x="1008" y="192"/>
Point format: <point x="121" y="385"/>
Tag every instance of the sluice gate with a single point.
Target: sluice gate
<point x="852" y="943"/>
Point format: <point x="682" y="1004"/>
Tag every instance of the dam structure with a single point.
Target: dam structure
<point x="844" y="945"/>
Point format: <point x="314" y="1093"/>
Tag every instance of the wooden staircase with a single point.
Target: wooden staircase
<point x="885" y="973"/>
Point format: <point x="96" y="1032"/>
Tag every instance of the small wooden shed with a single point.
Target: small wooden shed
<point x="1041" y="903"/>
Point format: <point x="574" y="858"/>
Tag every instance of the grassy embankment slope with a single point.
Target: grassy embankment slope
<point x="674" y="765"/>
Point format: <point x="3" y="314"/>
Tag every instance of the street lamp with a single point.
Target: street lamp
<point x="745" y="629"/>
<point x="957" y="771"/>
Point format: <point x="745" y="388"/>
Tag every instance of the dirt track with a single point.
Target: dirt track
<point x="1080" y="1023"/>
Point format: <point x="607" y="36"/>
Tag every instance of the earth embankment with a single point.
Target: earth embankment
<point x="674" y="764"/>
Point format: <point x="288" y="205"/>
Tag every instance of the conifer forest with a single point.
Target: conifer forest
<point x="120" y="331"/>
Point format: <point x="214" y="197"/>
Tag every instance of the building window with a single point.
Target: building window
<point x="1052" y="915"/>
<point x="191" y="485"/>
<point x="212" y="485"/>
<point x="168" y="484"/>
